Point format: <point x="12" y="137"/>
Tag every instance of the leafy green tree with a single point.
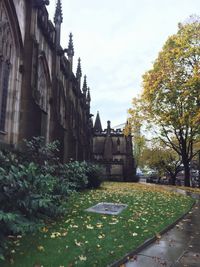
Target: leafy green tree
<point x="163" y="161"/>
<point x="171" y="94"/>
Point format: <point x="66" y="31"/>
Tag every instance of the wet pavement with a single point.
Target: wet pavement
<point x="179" y="247"/>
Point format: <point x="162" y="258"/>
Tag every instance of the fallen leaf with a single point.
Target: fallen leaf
<point x="77" y="243"/>
<point x="55" y="234"/>
<point x="89" y="226"/>
<point x="158" y="236"/>
<point x="64" y="234"/>
<point x="82" y="258"/>
<point x="45" y="229"/>
<point x="40" y="248"/>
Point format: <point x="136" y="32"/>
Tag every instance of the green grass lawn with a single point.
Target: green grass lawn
<point x="88" y="239"/>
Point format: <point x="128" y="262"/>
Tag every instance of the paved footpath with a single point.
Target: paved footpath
<point x="179" y="247"/>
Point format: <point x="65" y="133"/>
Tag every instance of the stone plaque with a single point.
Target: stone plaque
<point x="108" y="208"/>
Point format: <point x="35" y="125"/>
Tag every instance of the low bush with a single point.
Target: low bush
<point x="79" y="175"/>
<point x="94" y="175"/>
<point x="37" y="151"/>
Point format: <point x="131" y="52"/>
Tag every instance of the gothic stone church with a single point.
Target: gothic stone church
<point x="41" y="96"/>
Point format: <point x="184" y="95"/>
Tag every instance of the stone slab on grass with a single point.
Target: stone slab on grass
<point x="108" y="208"/>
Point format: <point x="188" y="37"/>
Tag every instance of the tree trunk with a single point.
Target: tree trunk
<point x="173" y="179"/>
<point x="187" y="173"/>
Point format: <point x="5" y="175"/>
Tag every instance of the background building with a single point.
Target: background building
<point x="113" y="151"/>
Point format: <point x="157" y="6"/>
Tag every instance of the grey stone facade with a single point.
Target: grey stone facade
<point x="113" y="151"/>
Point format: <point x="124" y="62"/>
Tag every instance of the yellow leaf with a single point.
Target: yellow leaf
<point x="158" y="236"/>
<point x="89" y="226"/>
<point x="64" y="234"/>
<point x="74" y="226"/>
<point x="82" y="258"/>
<point x="40" y="248"/>
<point x="77" y="243"/>
<point x="55" y="234"/>
<point x="45" y="230"/>
<point x="111" y="223"/>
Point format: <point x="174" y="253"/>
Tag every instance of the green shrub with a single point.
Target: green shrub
<point x="27" y="197"/>
<point x="37" y="151"/>
<point x="27" y="190"/>
<point x="74" y="173"/>
<point x="94" y="175"/>
<point x="8" y="158"/>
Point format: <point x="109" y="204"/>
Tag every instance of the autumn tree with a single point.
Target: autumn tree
<point x="171" y="94"/>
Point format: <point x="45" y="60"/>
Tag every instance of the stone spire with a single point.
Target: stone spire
<point x="58" y="17"/>
<point x="85" y="86"/>
<point x="70" y="50"/>
<point x="79" y="71"/>
<point x="88" y="98"/>
<point x="97" y="124"/>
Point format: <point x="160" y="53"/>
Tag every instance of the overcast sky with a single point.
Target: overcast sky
<point x="117" y="42"/>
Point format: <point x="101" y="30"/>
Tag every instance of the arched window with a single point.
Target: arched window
<point x="61" y="107"/>
<point x="41" y="93"/>
<point x="5" y="71"/>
